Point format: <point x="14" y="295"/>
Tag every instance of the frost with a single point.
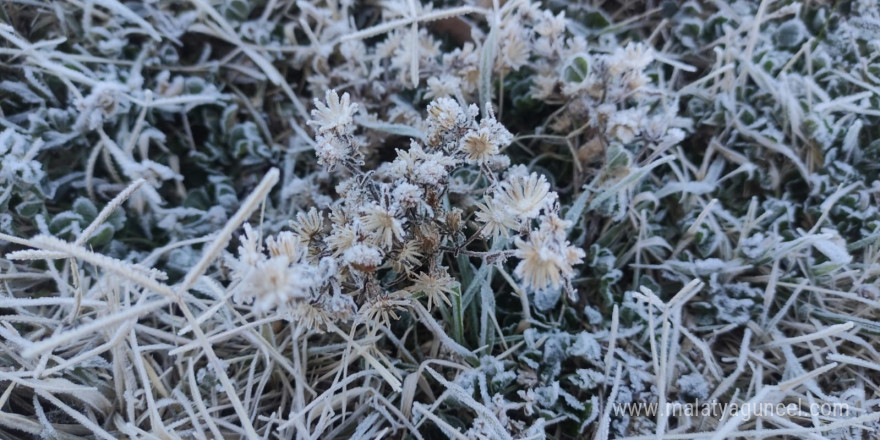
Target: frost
<point x="105" y="101"/>
<point x="587" y="379"/>
<point x="733" y="310"/>
<point x="554" y="354"/>
<point x="833" y="248"/>
<point x="755" y="246"/>
<point x="693" y="386"/>
<point x="594" y="317"/>
<point x="586" y="346"/>
<point x="17" y="164"/>
<point x="368" y="233"/>
<point x="547" y="299"/>
<point x="547" y="396"/>
<point x="789" y="34"/>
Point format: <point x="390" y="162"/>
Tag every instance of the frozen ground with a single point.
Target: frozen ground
<point x="478" y="220"/>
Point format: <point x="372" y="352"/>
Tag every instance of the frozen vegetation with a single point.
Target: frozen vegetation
<point x="279" y="219"/>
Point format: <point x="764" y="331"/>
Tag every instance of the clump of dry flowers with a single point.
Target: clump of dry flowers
<point x="391" y="229"/>
<point x="423" y="220"/>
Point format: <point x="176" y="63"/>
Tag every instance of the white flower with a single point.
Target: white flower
<point x="383" y="308"/>
<point x="634" y="57"/>
<point x="549" y="25"/>
<point x="363" y="257"/>
<point x="420" y="167"/>
<point x="282" y="279"/>
<point x="626" y="66"/>
<point x="443" y="86"/>
<point x="543" y="86"/>
<point x="547" y="259"/>
<point x="407" y="195"/>
<point x="331" y="150"/>
<point x="498" y="162"/>
<point x="517" y="171"/>
<point x="408" y="256"/>
<point x="431" y="172"/>
<point x="497" y="220"/>
<point x="435" y="286"/>
<point x="285" y="244"/>
<point x="443" y="114"/>
<point x="336" y="115"/>
<point x="525" y="196"/>
<point x="540" y="266"/>
<point x="343" y="237"/>
<point x="446" y="121"/>
<point x="465" y="62"/>
<point x="273" y="282"/>
<point x="625" y="125"/>
<point x="250" y="251"/>
<point x="515" y="48"/>
<point x="478" y="146"/>
<point x="307" y="225"/>
<point x="382" y="224"/>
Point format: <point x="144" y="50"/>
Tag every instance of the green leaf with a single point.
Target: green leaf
<point x="789" y="34"/>
<point x="577" y="69"/>
<point x="85" y="208"/>
<point x="487" y="313"/>
<point x="29" y="208"/>
<point x="596" y="20"/>
<point x="62" y="222"/>
<point x="102" y="236"/>
<point x="198" y="198"/>
<point x="237" y="10"/>
<point x="194" y="85"/>
<point x="117" y="219"/>
<point x="457" y="316"/>
<point x="229" y="118"/>
<point x="617" y="158"/>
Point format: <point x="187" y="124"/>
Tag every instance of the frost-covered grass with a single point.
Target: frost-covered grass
<point x="476" y="220"/>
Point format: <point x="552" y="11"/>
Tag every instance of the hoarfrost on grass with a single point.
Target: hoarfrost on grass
<point x="697" y="178"/>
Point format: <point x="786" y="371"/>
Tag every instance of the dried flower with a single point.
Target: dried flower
<point x="546" y="257"/>
<point x="443" y="114"/>
<point x="479" y="146"/>
<point x="407" y="195"/>
<point x="497" y="220"/>
<point x="525" y="196"/>
<point x="331" y="150"/>
<point x="435" y="286"/>
<point x="286" y="244"/>
<point x="363" y="257"/>
<point x="336" y="115"/>
<point x="382" y="224"/>
<point x="274" y="282"/>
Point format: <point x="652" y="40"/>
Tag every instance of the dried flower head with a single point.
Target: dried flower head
<point x="546" y="257"/>
<point x="331" y="150"/>
<point x="496" y="219"/>
<point x="435" y="286"/>
<point x="274" y="282"/>
<point x="363" y="257"/>
<point x="382" y="224"/>
<point x="525" y="196"/>
<point x="336" y="115"/>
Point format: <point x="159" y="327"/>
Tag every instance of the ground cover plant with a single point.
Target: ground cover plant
<point x="406" y="219"/>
